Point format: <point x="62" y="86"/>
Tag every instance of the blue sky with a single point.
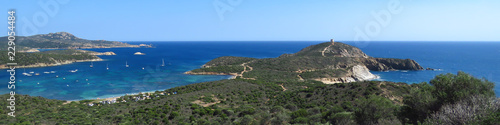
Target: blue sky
<point x="284" y="20"/>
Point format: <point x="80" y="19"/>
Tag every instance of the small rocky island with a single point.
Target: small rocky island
<point x="329" y="62"/>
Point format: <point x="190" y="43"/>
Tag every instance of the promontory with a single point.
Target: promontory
<point x="329" y="62"/>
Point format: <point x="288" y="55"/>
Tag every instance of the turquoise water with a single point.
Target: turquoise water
<point x="477" y="58"/>
<point x="97" y="82"/>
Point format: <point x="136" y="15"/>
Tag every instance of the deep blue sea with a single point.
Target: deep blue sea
<point x="480" y="59"/>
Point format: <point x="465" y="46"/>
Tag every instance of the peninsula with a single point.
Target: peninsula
<point x="29" y="56"/>
<point x="52" y="58"/>
<point x="61" y="40"/>
<point x="329" y="62"/>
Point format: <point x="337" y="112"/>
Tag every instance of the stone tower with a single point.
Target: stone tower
<point x="333" y="42"/>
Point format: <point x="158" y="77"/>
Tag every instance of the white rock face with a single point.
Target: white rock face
<point x="361" y="73"/>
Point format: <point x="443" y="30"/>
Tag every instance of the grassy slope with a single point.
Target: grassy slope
<point x="238" y="98"/>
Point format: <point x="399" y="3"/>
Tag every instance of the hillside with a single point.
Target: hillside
<point x="326" y="62"/>
<point x="248" y="102"/>
<point x="219" y="102"/>
<point x="60" y="40"/>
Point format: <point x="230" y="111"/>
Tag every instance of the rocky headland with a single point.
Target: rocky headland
<point x="329" y="62"/>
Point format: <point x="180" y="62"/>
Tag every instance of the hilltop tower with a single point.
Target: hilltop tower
<point x="333" y="42"/>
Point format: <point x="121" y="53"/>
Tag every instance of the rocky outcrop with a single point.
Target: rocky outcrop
<point x="103" y="53"/>
<point x="60" y="35"/>
<point x="330" y="50"/>
<point x="357" y="73"/>
<point x="384" y="64"/>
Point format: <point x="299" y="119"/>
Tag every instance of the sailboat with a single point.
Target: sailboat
<point x="26" y="74"/>
<point x="107" y="68"/>
<point x="162" y="62"/>
<point x="126" y="64"/>
<point x="91" y="64"/>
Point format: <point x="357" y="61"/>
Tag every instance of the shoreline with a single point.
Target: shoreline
<point x="38" y="65"/>
<point x="115" y="96"/>
<point x="209" y="73"/>
<point x="112" y="97"/>
<point x="233" y="75"/>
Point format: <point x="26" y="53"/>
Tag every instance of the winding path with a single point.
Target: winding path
<point x="245" y="70"/>
<point x="323" y="52"/>
<point x="284" y="89"/>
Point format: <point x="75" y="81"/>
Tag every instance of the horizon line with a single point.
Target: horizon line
<point x="298" y="41"/>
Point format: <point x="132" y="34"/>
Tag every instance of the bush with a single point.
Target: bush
<point x="450" y="93"/>
<point x="173" y="115"/>
<point x="372" y="109"/>
<point x="465" y="111"/>
<point x="452" y="88"/>
<point x="300" y="113"/>
<point x="419" y="104"/>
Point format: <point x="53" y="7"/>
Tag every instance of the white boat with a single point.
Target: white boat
<point x="73" y="70"/>
<point x="26" y="74"/>
<point x="142" y="68"/>
<point x="126" y="64"/>
<point x="46" y="72"/>
<point x="91" y="64"/>
<point x="162" y="62"/>
<point x="52" y="71"/>
<point x="139" y="53"/>
<point x="107" y="68"/>
<point x="37" y="74"/>
<point x="32" y="72"/>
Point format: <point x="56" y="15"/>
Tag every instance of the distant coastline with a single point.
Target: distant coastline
<point x="57" y="58"/>
<point x="37" y="65"/>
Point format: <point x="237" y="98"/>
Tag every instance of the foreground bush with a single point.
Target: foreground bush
<point x="451" y="99"/>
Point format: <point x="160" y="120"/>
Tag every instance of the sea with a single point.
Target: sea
<point x="145" y="73"/>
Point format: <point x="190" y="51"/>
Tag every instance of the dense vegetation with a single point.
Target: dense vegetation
<point x="47" y="57"/>
<point x="225" y="69"/>
<point x="241" y="101"/>
<point x="228" y="60"/>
